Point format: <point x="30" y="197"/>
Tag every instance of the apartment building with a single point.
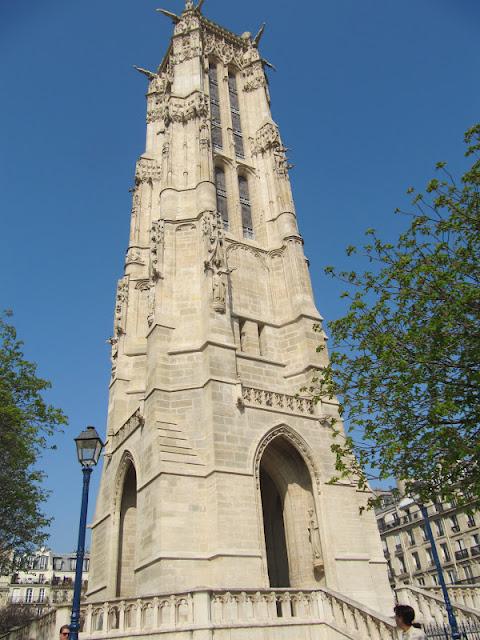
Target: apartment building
<point x="408" y="552"/>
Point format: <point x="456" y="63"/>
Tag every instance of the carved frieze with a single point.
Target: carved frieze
<point x="185" y="109"/>
<point x="132" y="424"/>
<point x="147" y="169"/>
<point x="121" y="302"/>
<point x="274" y="400"/>
<point x="226" y="51"/>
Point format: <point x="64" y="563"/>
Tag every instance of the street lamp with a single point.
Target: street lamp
<point x="404" y="504"/>
<point x="89" y="447"/>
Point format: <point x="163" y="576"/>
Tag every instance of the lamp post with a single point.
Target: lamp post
<point x="404" y="504"/>
<point x="89" y="448"/>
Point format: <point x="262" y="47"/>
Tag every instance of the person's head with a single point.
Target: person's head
<point x="64" y="632"/>
<point x="404" y="616"/>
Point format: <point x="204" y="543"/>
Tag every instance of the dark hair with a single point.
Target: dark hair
<point x="64" y="626"/>
<point x="405" y="612"/>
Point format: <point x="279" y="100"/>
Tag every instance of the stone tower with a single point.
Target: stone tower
<point x="216" y="470"/>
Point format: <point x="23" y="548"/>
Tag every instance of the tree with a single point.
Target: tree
<point x="406" y="357"/>
<point x="13" y="616"/>
<point x="26" y="423"/>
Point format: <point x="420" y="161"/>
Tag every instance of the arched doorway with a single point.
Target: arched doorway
<point x="292" y="541"/>
<point x="127" y="535"/>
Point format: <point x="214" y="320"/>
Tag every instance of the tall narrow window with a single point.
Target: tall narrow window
<point x="247" y="224"/>
<point x="221" y="195"/>
<point x="215" y="106"/>
<point x="235" y="111"/>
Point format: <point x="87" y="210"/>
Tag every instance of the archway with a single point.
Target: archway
<point x="127" y="535"/>
<point x="292" y="541"/>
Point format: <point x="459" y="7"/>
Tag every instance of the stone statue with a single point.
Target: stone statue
<point x="219" y="291"/>
<point x="314" y="536"/>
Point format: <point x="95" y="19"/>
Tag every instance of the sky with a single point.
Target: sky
<point x="368" y="95"/>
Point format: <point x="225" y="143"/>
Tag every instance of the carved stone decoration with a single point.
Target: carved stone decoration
<point x="267" y="137"/>
<point x="253" y="77"/>
<point x="158" y="84"/>
<point x="113" y="342"/>
<point x="204" y="134"/>
<point x="148" y="286"/>
<point x="147" y="170"/>
<point x="186" y="46"/>
<point x="151" y="304"/>
<point x="134" y="256"/>
<point x="216" y="261"/>
<point x="121" y="303"/>
<point x="196" y="105"/>
<point x="282" y="166"/>
<point x="157" y="248"/>
<point x="228" y="51"/>
<point x="188" y="22"/>
<point x="133" y="423"/>
<point x="314" y="537"/>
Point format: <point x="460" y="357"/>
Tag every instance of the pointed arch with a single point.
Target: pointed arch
<point x="126" y="518"/>
<point x="304" y="450"/>
<point x="285" y="477"/>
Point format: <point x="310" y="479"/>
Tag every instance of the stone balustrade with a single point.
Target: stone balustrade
<point x="430" y="607"/>
<point x="463" y="595"/>
<point x="211" y="610"/>
<point x="282" y="401"/>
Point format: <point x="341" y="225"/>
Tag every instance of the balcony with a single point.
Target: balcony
<point x="455" y="528"/>
<point x="475" y="551"/>
<point x="23" y="600"/>
<point x="461" y="554"/>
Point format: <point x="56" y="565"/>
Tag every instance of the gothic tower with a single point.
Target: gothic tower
<point x="215" y="469"/>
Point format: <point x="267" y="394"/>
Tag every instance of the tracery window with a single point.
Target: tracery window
<point x="215" y="106"/>
<point x="235" y="111"/>
<point x="221" y="189"/>
<point x="246" y="207"/>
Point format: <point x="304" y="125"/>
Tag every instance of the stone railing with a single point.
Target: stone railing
<point x="209" y="610"/>
<point x="467" y="595"/>
<point x="274" y="400"/>
<point x="430" y="606"/>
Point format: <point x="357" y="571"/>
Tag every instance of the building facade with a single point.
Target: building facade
<point x="408" y="552"/>
<point x="47" y="579"/>
<point x="216" y="469"/>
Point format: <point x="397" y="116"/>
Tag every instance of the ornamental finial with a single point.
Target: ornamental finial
<point x="188" y="5"/>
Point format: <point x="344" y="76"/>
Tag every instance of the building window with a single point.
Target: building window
<point x="452" y="576"/>
<point x="58" y="564"/>
<point x="411" y="537"/>
<point x="445" y="552"/>
<point x="470" y="520"/>
<point x="29" y="595"/>
<point x="247" y="224"/>
<point x="416" y="559"/>
<point x="73" y="564"/>
<point x="424" y="533"/>
<point x="398" y="543"/>
<point x="235" y="111"/>
<point x="467" y="569"/>
<point x="401" y="562"/>
<point x="41" y="595"/>
<point x="435" y="579"/>
<point x="221" y="188"/>
<point x="429" y="555"/>
<point x="215" y="106"/>
<point x="440" y="529"/>
<point x="455" y="525"/>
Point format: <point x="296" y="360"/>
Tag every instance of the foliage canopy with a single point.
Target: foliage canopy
<point x="26" y="423"/>
<point x="406" y="356"/>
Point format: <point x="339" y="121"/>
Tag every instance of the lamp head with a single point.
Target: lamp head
<point x="89" y="447"/>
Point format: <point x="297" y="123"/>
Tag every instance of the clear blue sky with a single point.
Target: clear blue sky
<point x="368" y="95"/>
